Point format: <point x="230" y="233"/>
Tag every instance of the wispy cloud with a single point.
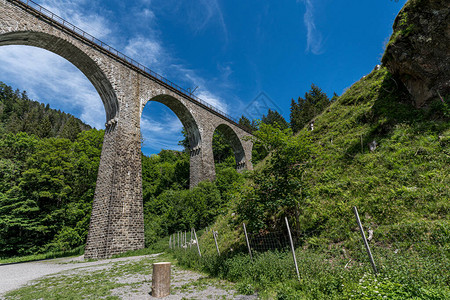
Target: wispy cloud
<point x="211" y="13"/>
<point x="151" y="52"/>
<point x="213" y="100"/>
<point x="75" y="13"/>
<point x="314" y="40"/>
<point x="147" y="51"/>
<point x="169" y="124"/>
<point x="161" y="133"/>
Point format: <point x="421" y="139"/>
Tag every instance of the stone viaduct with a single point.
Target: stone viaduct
<point x="125" y="86"/>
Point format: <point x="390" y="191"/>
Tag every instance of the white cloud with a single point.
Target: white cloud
<point x="211" y="13"/>
<point x="314" y="38"/>
<point x="147" y="51"/>
<point x="51" y="79"/>
<point x="168" y="125"/>
<point x="208" y="97"/>
<point x="147" y="13"/>
<point x="161" y="132"/>
<point x="73" y="12"/>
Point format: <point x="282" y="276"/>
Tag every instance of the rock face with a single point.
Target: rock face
<point x="418" y="52"/>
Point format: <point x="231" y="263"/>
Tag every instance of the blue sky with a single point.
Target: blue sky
<point x="232" y="50"/>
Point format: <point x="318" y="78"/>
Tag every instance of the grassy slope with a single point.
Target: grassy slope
<point x="405" y="180"/>
<point x="401" y="189"/>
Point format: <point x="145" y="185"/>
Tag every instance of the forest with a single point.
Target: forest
<point x="49" y="163"/>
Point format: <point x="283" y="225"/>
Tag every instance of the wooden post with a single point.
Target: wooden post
<point x="292" y="247"/>
<point x="161" y="279"/>
<point x="196" y="241"/>
<point x="215" y="240"/>
<point x="366" y="244"/>
<point x="248" y="244"/>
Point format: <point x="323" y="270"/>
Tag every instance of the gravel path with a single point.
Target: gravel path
<point x="14" y="276"/>
<point x="184" y="284"/>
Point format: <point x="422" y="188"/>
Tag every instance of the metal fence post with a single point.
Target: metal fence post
<point x="196" y="240"/>
<point x="170" y="242"/>
<point x="248" y="244"/>
<point x="215" y="240"/>
<point x="292" y="248"/>
<point x="366" y="244"/>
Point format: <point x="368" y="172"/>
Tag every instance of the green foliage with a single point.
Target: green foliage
<point x="278" y="189"/>
<point x="167" y="170"/>
<point x="222" y="149"/>
<point x="70" y="130"/>
<point x="274" y="118"/>
<point x="244" y="121"/>
<point x="403" y="275"/>
<point x="305" y="109"/>
<point x="47" y="255"/>
<point x="46" y="191"/>
<point x="371" y="287"/>
<point x="181" y="210"/>
<point x="20" y="114"/>
<point x="400" y="189"/>
<point x="169" y="205"/>
<point x="46" y="183"/>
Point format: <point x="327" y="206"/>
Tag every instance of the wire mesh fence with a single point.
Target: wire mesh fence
<point x="413" y="250"/>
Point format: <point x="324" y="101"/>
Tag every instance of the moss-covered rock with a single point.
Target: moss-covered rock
<point x="418" y="50"/>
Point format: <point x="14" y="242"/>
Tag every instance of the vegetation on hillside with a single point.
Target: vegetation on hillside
<point x="20" y="114"/>
<point x="314" y="178"/>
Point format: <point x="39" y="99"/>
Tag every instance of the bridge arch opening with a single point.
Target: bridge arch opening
<point x="77" y="188"/>
<point x="170" y="116"/>
<point x="225" y="140"/>
<point x="184" y="115"/>
<point x="75" y="56"/>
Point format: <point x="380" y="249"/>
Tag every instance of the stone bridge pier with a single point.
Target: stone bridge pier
<point x="117" y="222"/>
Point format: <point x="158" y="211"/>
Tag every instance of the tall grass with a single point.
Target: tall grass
<point x="48" y="255"/>
<point x="325" y="275"/>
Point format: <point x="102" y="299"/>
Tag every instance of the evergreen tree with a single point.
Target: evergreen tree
<point x="71" y="129"/>
<point x="45" y="128"/>
<point x="273" y="117"/>
<point x="305" y="109"/>
<point x="244" y="121"/>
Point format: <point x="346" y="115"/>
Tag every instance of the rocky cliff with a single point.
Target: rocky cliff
<point x="418" y="52"/>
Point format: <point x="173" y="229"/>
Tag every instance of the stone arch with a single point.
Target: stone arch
<point x="184" y="115"/>
<point x="75" y="56"/>
<point x="236" y="144"/>
<point x="196" y="172"/>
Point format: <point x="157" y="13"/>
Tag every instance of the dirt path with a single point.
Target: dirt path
<point x="129" y="284"/>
